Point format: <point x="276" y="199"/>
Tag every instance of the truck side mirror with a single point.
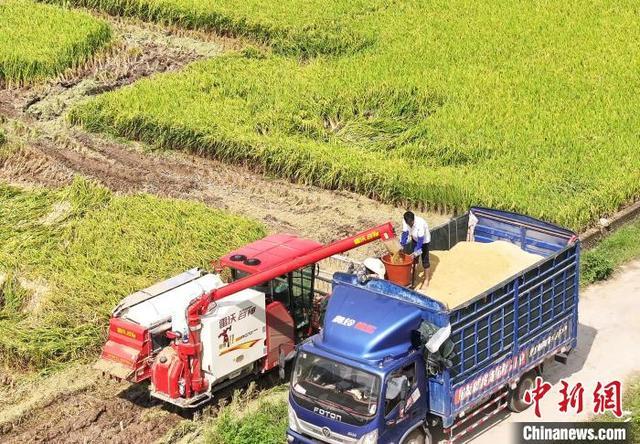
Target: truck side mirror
<point x="438" y="338"/>
<point x="394" y="387"/>
<point x="397" y="387"/>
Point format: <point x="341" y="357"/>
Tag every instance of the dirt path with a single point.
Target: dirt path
<point x="105" y="412"/>
<point x="608" y="338"/>
<point x="309" y="211"/>
<point x="138" y="50"/>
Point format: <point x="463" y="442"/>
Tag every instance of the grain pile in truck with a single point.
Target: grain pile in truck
<point x="469" y="268"/>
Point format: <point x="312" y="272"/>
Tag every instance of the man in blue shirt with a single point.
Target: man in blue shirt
<point x="415" y="240"/>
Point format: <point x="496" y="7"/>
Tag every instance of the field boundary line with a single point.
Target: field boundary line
<point x="618" y="220"/>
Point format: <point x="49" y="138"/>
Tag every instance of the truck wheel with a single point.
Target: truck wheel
<point x="516" y="401"/>
<point x="418" y="436"/>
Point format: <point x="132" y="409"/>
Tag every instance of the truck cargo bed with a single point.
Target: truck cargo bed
<point x="501" y="333"/>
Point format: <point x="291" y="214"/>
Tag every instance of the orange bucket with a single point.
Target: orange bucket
<point x="401" y="273"/>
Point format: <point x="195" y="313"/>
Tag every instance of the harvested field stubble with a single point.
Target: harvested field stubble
<point x="100" y="248"/>
<point x="522" y="106"/>
<point x="41" y="41"/>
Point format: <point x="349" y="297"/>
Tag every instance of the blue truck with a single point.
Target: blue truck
<point x="392" y="365"/>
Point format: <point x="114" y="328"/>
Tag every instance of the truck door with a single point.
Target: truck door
<point x="301" y="285"/>
<point x="404" y="401"/>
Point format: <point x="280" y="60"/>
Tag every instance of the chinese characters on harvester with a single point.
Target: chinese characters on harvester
<point x="605" y="397"/>
<point x="230" y="319"/>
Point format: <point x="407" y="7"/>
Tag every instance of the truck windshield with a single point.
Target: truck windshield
<point x="340" y="390"/>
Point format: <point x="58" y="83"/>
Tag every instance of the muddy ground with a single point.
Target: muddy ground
<point x="100" y="410"/>
<point x="104" y="412"/>
<point x="45" y="150"/>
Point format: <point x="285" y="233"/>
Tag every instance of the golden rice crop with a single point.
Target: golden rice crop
<point x="68" y="256"/>
<point x="291" y="27"/>
<point x="524" y="106"/>
<point x="40" y="41"/>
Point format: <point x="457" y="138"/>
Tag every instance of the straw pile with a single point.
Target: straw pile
<point x="469" y="268"/>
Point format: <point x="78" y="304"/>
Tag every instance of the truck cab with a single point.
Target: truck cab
<point x="368" y="405"/>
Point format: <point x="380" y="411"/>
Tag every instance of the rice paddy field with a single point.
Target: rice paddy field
<point x="39" y="41"/>
<point x="68" y="256"/>
<point x="525" y="106"/>
<point x="428" y="104"/>
<point x="290" y="27"/>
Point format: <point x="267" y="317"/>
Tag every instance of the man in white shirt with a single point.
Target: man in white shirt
<point x="415" y="240"/>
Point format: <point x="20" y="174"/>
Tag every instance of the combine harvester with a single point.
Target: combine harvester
<point x="392" y="365"/>
<point x="192" y="335"/>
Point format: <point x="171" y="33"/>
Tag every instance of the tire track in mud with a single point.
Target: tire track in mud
<point x="309" y="211"/>
<point x="117" y="412"/>
<point x="108" y="412"/>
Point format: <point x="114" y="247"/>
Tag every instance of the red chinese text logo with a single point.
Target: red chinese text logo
<point x="605" y="397"/>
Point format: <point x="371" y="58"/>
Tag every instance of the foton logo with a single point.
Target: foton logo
<point x="327" y="413"/>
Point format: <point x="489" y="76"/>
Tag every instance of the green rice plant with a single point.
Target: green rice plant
<point x="250" y="421"/>
<point x="3" y="137"/>
<point x="41" y="41"/>
<point x="77" y="251"/>
<point x="289" y="26"/>
<point x="601" y="261"/>
<point x="524" y="106"/>
<point x="12" y="294"/>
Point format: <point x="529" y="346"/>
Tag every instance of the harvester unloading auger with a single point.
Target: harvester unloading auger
<point x="193" y="335"/>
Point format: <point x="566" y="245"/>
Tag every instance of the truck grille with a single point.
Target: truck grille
<point x="314" y="431"/>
